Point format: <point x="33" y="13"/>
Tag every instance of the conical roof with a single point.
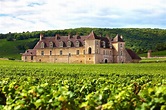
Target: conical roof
<point x="92" y="36"/>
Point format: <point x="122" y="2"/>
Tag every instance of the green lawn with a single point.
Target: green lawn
<point x="153" y="60"/>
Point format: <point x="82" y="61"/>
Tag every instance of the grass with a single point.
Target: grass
<point x="153" y="60"/>
<point x="139" y="68"/>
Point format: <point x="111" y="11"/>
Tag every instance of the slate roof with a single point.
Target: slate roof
<point x="133" y="54"/>
<point x="30" y="52"/>
<point x="93" y="36"/>
<point x="118" y="38"/>
<point x="56" y="39"/>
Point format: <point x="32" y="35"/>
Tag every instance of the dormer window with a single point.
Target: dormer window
<point x="78" y="37"/>
<point x="83" y="43"/>
<point x="42" y="45"/>
<point x="61" y="44"/>
<point x="110" y="45"/>
<point x="69" y="44"/>
<point x="77" y="43"/>
<point x="51" y="45"/>
<point x="104" y="44"/>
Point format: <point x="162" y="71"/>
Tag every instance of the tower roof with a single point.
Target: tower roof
<point x="118" y="39"/>
<point x="92" y="35"/>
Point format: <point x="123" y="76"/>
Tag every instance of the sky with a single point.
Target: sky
<point x="38" y="15"/>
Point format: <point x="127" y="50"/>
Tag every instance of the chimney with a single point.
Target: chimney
<point x="69" y="36"/>
<point x="41" y="37"/>
<point x="149" y="54"/>
<point x="57" y="37"/>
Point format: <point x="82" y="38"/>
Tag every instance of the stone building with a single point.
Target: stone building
<point x="90" y="49"/>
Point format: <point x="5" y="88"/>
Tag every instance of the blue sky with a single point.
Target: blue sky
<point x="37" y="15"/>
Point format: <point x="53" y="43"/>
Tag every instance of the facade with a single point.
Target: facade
<point x="90" y="49"/>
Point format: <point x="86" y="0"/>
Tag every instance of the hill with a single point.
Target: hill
<point x="139" y="40"/>
<point x="12" y="49"/>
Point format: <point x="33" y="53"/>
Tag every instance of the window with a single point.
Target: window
<point x="25" y="57"/>
<point x="31" y="57"/>
<point x="50" y="52"/>
<point x="89" y="50"/>
<point x="42" y="45"/>
<point x="77" y="43"/>
<point x="61" y="44"/>
<point x="69" y="44"/>
<point x="121" y="45"/>
<point x="121" y="53"/>
<point x="97" y="43"/>
<point x="84" y="43"/>
<point x="110" y="52"/>
<point x="42" y="52"/>
<point x="84" y="52"/>
<point x="97" y="51"/>
<point x="77" y="52"/>
<point x="103" y="44"/>
<point x="103" y="52"/>
<point x="60" y="52"/>
<point x="51" y="45"/>
<point x="69" y="55"/>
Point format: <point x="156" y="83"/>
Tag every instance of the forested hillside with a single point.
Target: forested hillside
<point x="139" y="40"/>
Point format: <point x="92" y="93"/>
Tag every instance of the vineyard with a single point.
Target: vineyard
<point x="47" y="86"/>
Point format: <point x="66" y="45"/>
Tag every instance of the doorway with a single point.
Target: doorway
<point x="105" y="61"/>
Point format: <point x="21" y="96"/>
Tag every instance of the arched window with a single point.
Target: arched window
<point x="61" y="44"/>
<point x="42" y="45"/>
<point x="89" y="50"/>
<point x="51" y="44"/>
<point x="77" y="44"/>
<point x="69" y="44"/>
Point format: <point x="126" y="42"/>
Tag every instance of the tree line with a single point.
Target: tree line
<point x="138" y="39"/>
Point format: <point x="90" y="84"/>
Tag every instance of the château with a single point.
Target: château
<point x="90" y="49"/>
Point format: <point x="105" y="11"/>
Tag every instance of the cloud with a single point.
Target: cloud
<point x="36" y="15"/>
